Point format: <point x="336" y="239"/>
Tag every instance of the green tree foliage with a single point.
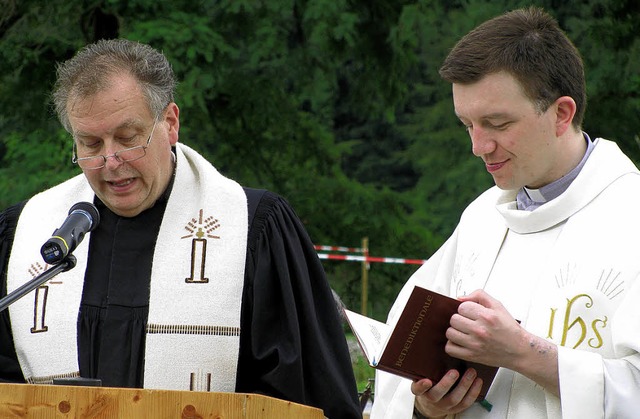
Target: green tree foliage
<point x="606" y="32"/>
<point x="336" y="105"/>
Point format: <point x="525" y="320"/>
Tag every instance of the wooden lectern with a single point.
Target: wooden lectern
<point x="49" y="401"/>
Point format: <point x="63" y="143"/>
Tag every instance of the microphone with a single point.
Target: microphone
<point x="83" y="218"/>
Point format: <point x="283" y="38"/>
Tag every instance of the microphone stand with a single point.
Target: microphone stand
<point x="67" y="263"/>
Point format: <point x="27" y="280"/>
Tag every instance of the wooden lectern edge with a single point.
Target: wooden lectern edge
<point x="68" y="401"/>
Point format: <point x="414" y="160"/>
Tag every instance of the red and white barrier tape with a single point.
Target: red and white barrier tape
<point x="340" y="249"/>
<point x="356" y="258"/>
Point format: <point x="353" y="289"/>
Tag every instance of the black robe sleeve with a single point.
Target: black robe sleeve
<point x="9" y="366"/>
<point x="292" y="345"/>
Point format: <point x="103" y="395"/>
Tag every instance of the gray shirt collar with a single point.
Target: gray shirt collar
<point x="530" y="199"/>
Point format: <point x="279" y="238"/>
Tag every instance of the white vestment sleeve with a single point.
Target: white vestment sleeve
<point x="580" y="373"/>
<point x="622" y="387"/>
<point x="392" y="397"/>
<point x="612" y="384"/>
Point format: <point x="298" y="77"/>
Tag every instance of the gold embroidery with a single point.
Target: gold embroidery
<point x="580" y="323"/>
<point x="567" y="315"/>
<point x="584" y="318"/>
<point x="553" y="316"/>
<point x="597" y="333"/>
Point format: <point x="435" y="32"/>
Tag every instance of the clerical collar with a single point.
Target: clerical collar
<point x="529" y="199"/>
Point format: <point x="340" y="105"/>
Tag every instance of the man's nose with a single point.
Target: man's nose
<point x="481" y="141"/>
<point x="111" y="159"/>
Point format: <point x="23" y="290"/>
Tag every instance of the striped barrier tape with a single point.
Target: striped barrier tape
<point x="357" y="258"/>
<point x="340" y="249"/>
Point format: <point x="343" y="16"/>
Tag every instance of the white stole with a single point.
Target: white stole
<point x="196" y="284"/>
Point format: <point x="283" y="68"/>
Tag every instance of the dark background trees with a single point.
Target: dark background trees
<point x="335" y="104"/>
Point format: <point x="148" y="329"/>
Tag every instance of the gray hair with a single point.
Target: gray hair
<point x="91" y="69"/>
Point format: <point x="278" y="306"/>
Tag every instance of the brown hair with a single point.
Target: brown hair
<point x="529" y="45"/>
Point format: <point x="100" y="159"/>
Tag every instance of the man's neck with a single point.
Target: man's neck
<point x="529" y="199"/>
<point x="574" y="147"/>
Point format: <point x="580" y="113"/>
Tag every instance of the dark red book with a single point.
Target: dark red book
<point x="414" y="348"/>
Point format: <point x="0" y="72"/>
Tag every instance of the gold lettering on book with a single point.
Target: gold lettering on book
<point x="571" y="322"/>
<point x="414" y="331"/>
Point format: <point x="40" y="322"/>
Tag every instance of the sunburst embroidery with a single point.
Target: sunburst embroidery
<point x="202" y="227"/>
<point x="609" y="284"/>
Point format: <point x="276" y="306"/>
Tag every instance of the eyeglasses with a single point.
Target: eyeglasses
<point x="126" y="155"/>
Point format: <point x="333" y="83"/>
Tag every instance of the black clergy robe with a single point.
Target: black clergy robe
<point x="292" y="345"/>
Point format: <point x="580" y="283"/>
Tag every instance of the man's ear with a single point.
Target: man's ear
<point x="565" y="108"/>
<point x="172" y="116"/>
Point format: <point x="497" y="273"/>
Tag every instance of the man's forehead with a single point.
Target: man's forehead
<point x="108" y="111"/>
<point x="96" y="127"/>
<point x="494" y="96"/>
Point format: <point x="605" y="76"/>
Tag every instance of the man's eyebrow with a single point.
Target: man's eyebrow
<point x="497" y="115"/>
<point x="494" y="115"/>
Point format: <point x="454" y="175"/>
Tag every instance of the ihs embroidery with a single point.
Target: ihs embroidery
<point x="40" y="301"/>
<point x="199" y="230"/>
<point x="581" y="321"/>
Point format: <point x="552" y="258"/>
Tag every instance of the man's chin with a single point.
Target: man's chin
<point x="506" y="186"/>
